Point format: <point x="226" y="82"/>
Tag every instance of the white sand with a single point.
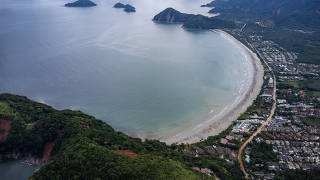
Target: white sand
<point x="215" y="124"/>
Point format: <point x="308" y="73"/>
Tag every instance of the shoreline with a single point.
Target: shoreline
<point x="219" y="122"/>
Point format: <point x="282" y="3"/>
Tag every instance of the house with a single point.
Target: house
<point x="206" y="171"/>
<point x="281" y="101"/>
<point x="223" y="141"/>
<point x="203" y="170"/>
<point x="315" y="138"/>
<point x="196" y="169"/>
<point x="199" y="150"/>
<point x="187" y="151"/>
<point x="229" y="138"/>
<point x="210" y="149"/>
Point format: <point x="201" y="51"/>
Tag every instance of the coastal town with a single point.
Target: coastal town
<point x="294" y="132"/>
<point x="290" y="140"/>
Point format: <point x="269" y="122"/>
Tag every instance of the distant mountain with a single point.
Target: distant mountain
<point x="191" y="21"/>
<point x="171" y="15"/>
<point x="81" y="3"/>
<point x="210" y="4"/>
<point x="126" y="7"/>
<point x="289" y="13"/>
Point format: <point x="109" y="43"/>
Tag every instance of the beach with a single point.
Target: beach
<point x="157" y="82"/>
<point x="216" y="123"/>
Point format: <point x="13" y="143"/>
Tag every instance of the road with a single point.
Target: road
<point x="243" y="146"/>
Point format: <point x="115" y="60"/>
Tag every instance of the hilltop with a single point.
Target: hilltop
<point x="171" y="15"/>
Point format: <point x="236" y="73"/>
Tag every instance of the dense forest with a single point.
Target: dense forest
<point x="203" y="22"/>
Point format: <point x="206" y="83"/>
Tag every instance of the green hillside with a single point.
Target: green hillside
<point x="82" y="147"/>
<point x="288" y="13"/>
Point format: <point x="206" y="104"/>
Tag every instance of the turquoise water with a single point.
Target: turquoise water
<point x="145" y="79"/>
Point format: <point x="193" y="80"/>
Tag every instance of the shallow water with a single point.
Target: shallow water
<point x="145" y="79"/>
<point x="16" y="170"/>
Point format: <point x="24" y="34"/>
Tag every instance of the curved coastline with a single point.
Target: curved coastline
<point x="215" y="124"/>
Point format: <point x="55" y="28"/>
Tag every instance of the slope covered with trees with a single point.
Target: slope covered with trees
<point x="83" y="147"/>
<point x="288" y="13"/>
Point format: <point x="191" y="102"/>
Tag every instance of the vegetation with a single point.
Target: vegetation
<point x="203" y="22"/>
<point x="311" y="121"/>
<point x="87" y="159"/>
<point x="310" y="85"/>
<point x="87" y="148"/>
<point x="262" y="152"/>
<point x="84" y="146"/>
<point x="286" y="13"/>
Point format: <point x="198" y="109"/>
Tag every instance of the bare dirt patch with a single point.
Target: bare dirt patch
<point x="32" y="123"/>
<point x="47" y="151"/>
<point x="85" y="126"/>
<point x="5" y="127"/>
<point x="129" y="153"/>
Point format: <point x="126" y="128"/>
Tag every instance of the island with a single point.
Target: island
<point x="119" y="5"/>
<point x="81" y="3"/>
<point x="126" y="7"/>
<point x="191" y="21"/>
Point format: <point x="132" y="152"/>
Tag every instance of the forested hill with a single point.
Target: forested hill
<point x="73" y="145"/>
<point x="288" y="13"/>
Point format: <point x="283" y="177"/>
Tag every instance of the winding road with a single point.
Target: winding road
<point x="274" y="105"/>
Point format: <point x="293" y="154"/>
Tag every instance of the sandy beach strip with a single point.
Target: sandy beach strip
<point x="217" y="123"/>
